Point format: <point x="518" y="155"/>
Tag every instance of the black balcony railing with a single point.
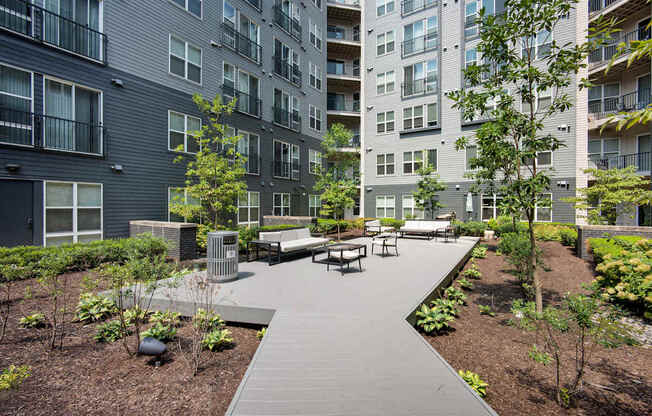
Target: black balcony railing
<point x="252" y="165"/>
<point x="632" y="101"/>
<point x="286" y="118"/>
<point x="287" y="70"/>
<point x="47" y="132"/>
<point x="607" y="51"/>
<point x="353" y="107"/>
<point x="287" y="170"/>
<point x="287" y="23"/>
<point x="419" y="44"/>
<point x="640" y="160"/>
<point x="22" y="17"/>
<point x="255" y="3"/>
<point x="245" y="103"/>
<point x="419" y="87"/>
<point x="346" y="2"/>
<point x="597" y="5"/>
<point x="241" y="43"/>
<point x="412" y="6"/>
<point x="355" y="140"/>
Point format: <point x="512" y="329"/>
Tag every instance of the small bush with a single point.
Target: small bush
<point x="479" y="252"/>
<point x="207" y="320"/>
<point x="433" y="319"/>
<point x="260" y="334"/>
<point x="471" y="228"/>
<point x="472" y="272"/>
<point x="36" y="320"/>
<point x="568" y="237"/>
<point x="134" y="314"/>
<point x="166" y="318"/>
<point x="447" y="306"/>
<point x="454" y="294"/>
<point x="465" y="284"/>
<point x="110" y="332"/>
<point x="11" y="378"/>
<point x="392" y="222"/>
<point x="217" y="339"/>
<point x="486" y="310"/>
<point x="160" y="332"/>
<point x="94" y="307"/>
<point x="475" y="382"/>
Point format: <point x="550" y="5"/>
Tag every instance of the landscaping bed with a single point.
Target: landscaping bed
<point x="88" y="377"/>
<point x="617" y="381"/>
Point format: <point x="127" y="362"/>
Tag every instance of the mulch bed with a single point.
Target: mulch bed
<point x="617" y="382"/>
<point x="87" y="377"/>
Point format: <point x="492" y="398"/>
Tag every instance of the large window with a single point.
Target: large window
<point x="315" y="33"/>
<point x="249" y="147"/>
<point x="420" y="116"/>
<point x="72" y="25"/>
<point x="286" y="160"/>
<point x="281" y="204"/>
<point x="384" y="7"/>
<point x="490" y="206"/>
<point x="471" y="13"/>
<point x="385" y="206"/>
<point x="385" y="164"/>
<point x="244" y="87"/>
<point x="385" y="43"/>
<point x="604" y="98"/>
<point x="537" y="47"/>
<point x="471" y="153"/>
<point x="315" y="76"/>
<point x="185" y="60"/>
<point x="249" y="208"/>
<point x="543" y="211"/>
<point x="16" y="106"/>
<point x="192" y="6"/>
<point x="180" y="196"/>
<point x="385" y="82"/>
<point x="315" y="118"/>
<point x="420" y="36"/>
<point x="420" y="78"/>
<point x="180" y="133"/>
<point x="412" y="162"/>
<point x="315" y="160"/>
<point x="604" y="149"/>
<point x="410" y="209"/>
<point x="385" y="122"/>
<point x="314" y="205"/>
<point x="73" y="212"/>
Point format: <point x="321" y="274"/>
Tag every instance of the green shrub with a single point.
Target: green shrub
<point x="260" y="334"/>
<point x="447" y="306"/>
<point x="207" y="320"/>
<point x="475" y="382"/>
<point x="472" y="272"/>
<point x="94" y="307"/>
<point x="160" y="332"/>
<point x="110" y="332"/>
<point x="465" y="284"/>
<point x="134" y="314"/>
<point x="217" y="339"/>
<point x="13" y="377"/>
<point x="516" y="248"/>
<point x="36" y="320"/>
<point x="471" y="228"/>
<point x="392" y="222"/>
<point x="486" y="310"/>
<point x="166" y="318"/>
<point x="568" y="237"/>
<point x="454" y="294"/>
<point x="433" y="319"/>
<point x="479" y="252"/>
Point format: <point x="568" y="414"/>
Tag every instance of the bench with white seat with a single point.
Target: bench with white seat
<point x="423" y="228"/>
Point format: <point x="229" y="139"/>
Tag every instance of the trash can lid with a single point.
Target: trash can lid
<point x="221" y="233"/>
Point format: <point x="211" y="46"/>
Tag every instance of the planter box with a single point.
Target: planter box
<point x="181" y="235"/>
<point x="296" y="220"/>
<point x="584" y="232"/>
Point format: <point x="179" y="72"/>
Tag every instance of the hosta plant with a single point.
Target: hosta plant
<point x="94" y="307"/>
<point x="36" y="320"/>
<point x="480" y="252"/>
<point x="472" y="272"/>
<point x="12" y="377"/>
<point x="445" y="305"/>
<point x="134" y="314"/>
<point x="260" y="334"/>
<point x="166" y="318"/>
<point x="110" y="332"/>
<point x="217" y="339"/>
<point x="474" y="381"/>
<point x="454" y="294"/>
<point x="208" y="320"/>
<point x="433" y="319"/>
<point x="160" y="332"/>
<point x="486" y="310"/>
<point x="465" y="283"/>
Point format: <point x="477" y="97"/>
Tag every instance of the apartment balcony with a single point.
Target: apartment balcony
<point x="286" y="170"/>
<point x="347" y="109"/>
<point x="419" y="45"/>
<point x="252" y="165"/>
<point x="346" y="10"/>
<point x="640" y="160"/>
<point x="599" y="58"/>
<point x="52" y="133"/>
<point x="26" y="19"/>
<point x="343" y="41"/>
<point x="414" y="6"/>
<point x="241" y="44"/>
<point x="618" y="9"/>
<point x="285" y="69"/>
<point x="291" y="25"/>
<point x="419" y="87"/>
<point x="245" y="103"/>
<point x="343" y="77"/>
<point x="288" y="119"/>
<point x="600" y="111"/>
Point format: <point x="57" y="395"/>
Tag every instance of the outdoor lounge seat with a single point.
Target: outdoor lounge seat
<point x="385" y="242"/>
<point x="422" y="227"/>
<point x="294" y="240"/>
<point x="375" y="227"/>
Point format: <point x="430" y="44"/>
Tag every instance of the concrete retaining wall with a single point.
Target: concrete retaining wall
<point x="277" y="220"/>
<point x="182" y="236"/>
<point x="584" y="232"/>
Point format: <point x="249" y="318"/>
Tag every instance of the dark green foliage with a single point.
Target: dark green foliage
<point x="433" y="319"/>
<point x="471" y="228"/>
<point x="160" y="332"/>
<point x="516" y="249"/>
<point x="454" y="294"/>
<point x="392" y="222"/>
<point x="94" y="307"/>
<point x="36" y="320"/>
<point x="568" y="237"/>
<point x="110" y="332"/>
<point x="217" y="339"/>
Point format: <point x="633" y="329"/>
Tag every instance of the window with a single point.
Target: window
<point x="412" y="162"/>
<point x="185" y="60"/>
<point x="315" y="118"/>
<point x="315" y="34"/>
<point x="432" y="160"/>
<point x="237" y="24"/>
<point x="385" y="43"/>
<point x="249" y="147"/>
<point x="420" y="78"/>
<point x="604" y="98"/>
<point x="335" y="32"/>
<point x="192" y="6"/>
<point x="543" y="209"/>
<point x="470" y="57"/>
<point x="413" y="117"/>
<point x="314" y="205"/>
<point x="286" y="160"/>
<point x="335" y="67"/>
<point x="604" y="150"/>
<point x="73" y="212"/>
<point x="286" y="110"/>
<point x="470" y="19"/>
<point x="385" y="164"/>
<point x="385" y="206"/>
<point x="410" y="209"/>
<point x="490" y="206"/>
<point x="286" y="62"/>
<point x="317" y="3"/>
<point x="315" y="161"/>
<point x="420" y="36"/>
<point x="239" y="84"/>
<point x="249" y="208"/>
<point x="385" y="82"/>
<point x="543" y="99"/>
<point x="384" y="7"/>
<point x="281" y="204"/>
<point x="385" y="122"/>
<point x="537" y="47"/>
<point x="180" y="133"/>
<point x="16" y="101"/>
<point x="180" y="196"/>
<point x="471" y="153"/>
<point x="315" y="76"/>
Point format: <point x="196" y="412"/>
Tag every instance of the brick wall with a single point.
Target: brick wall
<point x="278" y="220"/>
<point x="584" y="232"/>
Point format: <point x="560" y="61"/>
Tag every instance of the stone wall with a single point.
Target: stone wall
<point x="584" y="232"/>
<point x="182" y="236"/>
<point x="278" y="220"/>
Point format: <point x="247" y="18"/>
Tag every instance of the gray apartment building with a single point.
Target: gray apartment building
<point x="95" y="96"/>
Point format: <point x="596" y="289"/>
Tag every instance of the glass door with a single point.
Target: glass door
<point x="643" y="85"/>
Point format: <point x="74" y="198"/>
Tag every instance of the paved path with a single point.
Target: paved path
<point x="340" y="345"/>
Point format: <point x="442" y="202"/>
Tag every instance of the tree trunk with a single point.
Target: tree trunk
<point x="338" y="230"/>
<point x="532" y="264"/>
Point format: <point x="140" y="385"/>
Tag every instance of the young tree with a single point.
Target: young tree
<point x="337" y="185"/>
<point x="214" y="175"/>
<point x="520" y="54"/>
<point x="428" y="187"/>
<point x="614" y="192"/>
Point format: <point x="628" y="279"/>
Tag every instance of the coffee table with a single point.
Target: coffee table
<point x="340" y="254"/>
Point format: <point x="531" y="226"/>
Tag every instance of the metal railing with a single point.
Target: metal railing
<point x="48" y="132"/>
<point x="287" y="118"/>
<point x="245" y="103"/>
<point x="597" y="5"/>
<point x="287" y="170"/>
<point x="255" y="3"/>
<point x="419" y="44"/>
<point x="632" y="101"/>
<point x="418" y="87"/>
<point x="640" y="160"/>
<point x="412" y="6"/>
<point x="22" y="17"/>
<point x="241" y="43"/>
<point x="252" y="165"/>
<point x="346" y="2"/>
<point x="287" y="23"/>
<point x="606" y="52"/>
<point x="287" y="70"/>
<point x="353" y="107"/>
<point x="471" y="25"/>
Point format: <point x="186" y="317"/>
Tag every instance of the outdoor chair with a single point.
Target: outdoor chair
<point x="385" y="242"/>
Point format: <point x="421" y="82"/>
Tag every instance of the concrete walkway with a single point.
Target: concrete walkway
<point x="341" y="345"/>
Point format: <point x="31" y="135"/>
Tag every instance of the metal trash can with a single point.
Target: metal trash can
<point x="222" y="256"/>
